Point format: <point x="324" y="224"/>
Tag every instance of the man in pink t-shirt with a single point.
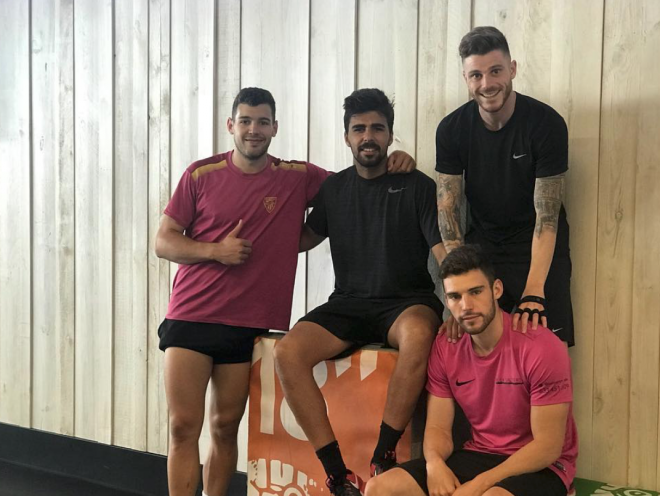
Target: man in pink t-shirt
<point x="233" y="225"/>
<point x="515" y="389"/>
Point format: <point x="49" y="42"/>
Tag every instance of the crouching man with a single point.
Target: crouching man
<point x="515" y="389"/>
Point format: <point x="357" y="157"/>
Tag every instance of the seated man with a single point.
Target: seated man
<point x="380" y="228"/>
<point x="514" y="388"/>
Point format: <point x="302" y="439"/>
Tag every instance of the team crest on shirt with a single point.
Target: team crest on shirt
<point x="269" y="203"/>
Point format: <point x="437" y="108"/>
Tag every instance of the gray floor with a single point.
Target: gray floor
<point x="20" y="481"/>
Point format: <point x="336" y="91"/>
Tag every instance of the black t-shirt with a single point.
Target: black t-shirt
<point x="380" y="232"/>
<point x="500" y="168"/>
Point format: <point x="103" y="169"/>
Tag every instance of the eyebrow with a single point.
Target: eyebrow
<point x="456" y="293"/>
<point x="496" y="66"/>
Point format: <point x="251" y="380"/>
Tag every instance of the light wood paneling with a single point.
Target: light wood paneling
<point x="641" y="22"/>
<point x="332" y="78"/>
<point x="15" y="302"/>
<point x="440" y="85"/>
<point x="275" y="56"/>
<point x="159" y="194"/>
<point x="94" y="152"/>
<point x="387" y="59"/>
<point x="53" y="220"/>
<point x="131" y="223"/>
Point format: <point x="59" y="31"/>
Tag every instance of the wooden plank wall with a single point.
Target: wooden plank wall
<point x="103" y="105"/>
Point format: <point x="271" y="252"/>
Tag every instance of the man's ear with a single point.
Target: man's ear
<point x="275" y="127"/>
<point x="498" y="289"/>
<point x="346" y="139"/>
<point x="391" y="138"/>
<point x="514" y="69"/>
<point x="230" y="125"/>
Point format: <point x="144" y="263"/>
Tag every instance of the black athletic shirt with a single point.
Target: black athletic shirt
<point x="380" y="232"/>
<point x="501" y="167"/>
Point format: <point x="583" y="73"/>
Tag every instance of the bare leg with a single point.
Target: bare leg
<point x="412" y="334"/>
<point x="187" y="374"/>
<point x="230" y="384"/>
<point x="306" y="345"/>
<point x="394" y="482"/>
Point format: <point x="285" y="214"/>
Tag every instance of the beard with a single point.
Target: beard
<point x="486" y="320"/>
<point x="374" y="160"/>
<point x="486" y="106"/>
<point x="251" y="153"/>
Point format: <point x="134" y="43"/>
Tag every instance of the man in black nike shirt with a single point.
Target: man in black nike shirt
<point x="510" y="152"/>
<point x="381" y="228"/>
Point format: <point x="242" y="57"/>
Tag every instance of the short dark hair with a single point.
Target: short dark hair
<point x="253" y="97"/>
<point x="368" y="100"/>
<point x="482" y="40"/>
<point x="464" y="259"/>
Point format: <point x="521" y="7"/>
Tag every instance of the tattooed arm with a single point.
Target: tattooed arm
<point x="450" y="188"/>
<point x="548" y="197"/>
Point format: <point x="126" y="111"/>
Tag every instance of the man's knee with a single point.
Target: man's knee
<point x="185" y="428"/>
<point x="376" y="487"/>
<point x="497" y="491"/>
<point x="392" y="483"/>
<point x="224" y="426"/>
<point x="290" y="356"/>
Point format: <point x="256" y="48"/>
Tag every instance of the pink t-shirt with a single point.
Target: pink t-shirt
<point x="496" y="392"/>
<point x="212" y="196"/>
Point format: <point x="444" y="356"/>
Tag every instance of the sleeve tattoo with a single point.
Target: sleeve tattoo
<point x="548" y="196"/>
<point x="449" y="209"/>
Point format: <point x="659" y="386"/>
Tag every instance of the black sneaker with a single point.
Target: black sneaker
<point x="384" y="464"/>
<point x="349" y="485"/>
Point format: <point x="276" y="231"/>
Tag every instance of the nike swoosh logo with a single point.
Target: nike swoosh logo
<point x="557" y="330"/>
<point x="395" y="190"/>
<point x="516" y="157"/>
<point x="509" y="383"/>
<point x="459" y="383"/>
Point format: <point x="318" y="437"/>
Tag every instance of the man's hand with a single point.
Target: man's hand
<point x="471" y="488"/>
<point x="441" y="480"/>
<point x="399" y="162"/>
<point x="453" y="331"/>
<point x="524" y="318"/>
<point x="233" y="250"/>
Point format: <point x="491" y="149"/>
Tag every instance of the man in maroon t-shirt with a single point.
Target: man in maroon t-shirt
<point x="233" y="225"/>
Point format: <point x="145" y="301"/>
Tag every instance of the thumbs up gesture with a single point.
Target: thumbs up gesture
<point x="233" y="250"/>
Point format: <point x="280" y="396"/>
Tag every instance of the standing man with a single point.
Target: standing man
<point x="511" y="153"/>
<point x="233" y="225"/>
<point x="381" y="228"/>
<point x="515" y="389"/>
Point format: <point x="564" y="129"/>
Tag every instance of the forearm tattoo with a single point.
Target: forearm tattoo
<point x="548" y="196"/>
<point x="449" y="209"/>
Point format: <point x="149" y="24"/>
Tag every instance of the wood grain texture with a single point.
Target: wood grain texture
<point x="332" y="78"/>
<point x="131" y="223"/>
<point x="228" y="68"/>
<point x="643" y="28"/>
<point x="15" y="303"/>
<point x="53" y="217"/>
<point x="94" y="152"/>
<point x="440" y="85"/>
<point x="616" y="219"/>
<point x="275" y="56"/>
<point x="387" y="59"/>
<point x="159" y="194"/>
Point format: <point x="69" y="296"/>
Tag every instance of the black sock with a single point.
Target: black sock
<point x="387" y="441"/>
<point x="332" y="461"/>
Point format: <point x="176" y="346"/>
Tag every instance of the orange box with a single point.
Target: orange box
<point x="280" y="459"/>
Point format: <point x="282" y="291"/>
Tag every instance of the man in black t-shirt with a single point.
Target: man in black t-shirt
<point x="511" y="153"/>
<point x="381" y="228"/>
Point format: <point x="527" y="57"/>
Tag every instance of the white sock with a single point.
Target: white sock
<point x="204" y="494"/>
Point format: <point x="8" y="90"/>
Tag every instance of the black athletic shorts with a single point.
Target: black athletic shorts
<point x="223" y="343"/>
<point x="365" y="320"/>
<point x="511" y="263"/>
<point x="466" y="465"/>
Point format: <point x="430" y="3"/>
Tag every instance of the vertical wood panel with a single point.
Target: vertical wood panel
<point x="228" y="67"/>
<point x="15" y="334"/>
<point x="159" y="194"/>
<point x="645" y="354"/>
<point x="94" y="150"/>
<point x="616" y="211"/>
<point x="53" y="217"/>
<point x="576" y="56"/>
<point x="131" y="224"/>
<point x="275" y="56"/>
<point x="332" y="78"/>
<point x="387" y="59"/>
<point x="440" y="85"/>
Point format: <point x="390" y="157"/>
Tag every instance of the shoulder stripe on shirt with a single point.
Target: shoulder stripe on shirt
<point x="292" y="165"/>
<point x="205" y="169"/>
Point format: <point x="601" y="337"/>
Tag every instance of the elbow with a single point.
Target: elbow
<point x="159" y="247"/>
